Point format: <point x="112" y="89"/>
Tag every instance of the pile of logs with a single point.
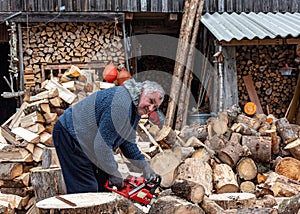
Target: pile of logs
<point x="58" y="43"/>
<point x="234" y="163"/>
<point x="264" y="64"/>
<point x="30" y="170"/>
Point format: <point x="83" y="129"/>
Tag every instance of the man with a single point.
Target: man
<point x="87" y="134"/>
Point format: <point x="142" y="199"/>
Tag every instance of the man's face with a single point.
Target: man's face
<point x="149" y="102"/>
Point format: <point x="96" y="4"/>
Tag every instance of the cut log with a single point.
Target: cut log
<point x="231" y="153"/>
<point x="64" y="93"/>
<point x="247" y="169"/>
<point x="164" y="163"/>
<point x="14" y="154"/>
<point x="224" y="179"/>
<point x="282" y="186"/>
<point x="190" y="169"/>
<point x="267" y="201"/>
<point x="92" y="203"/>
<point x="188" y="190"/>
<point x="294" y="148"/>
<point x="20" y="181"/>
<point x="13" y="200"/>
<point x="183" y="152"/>
<point x="176" y="205"/>
<point x="234" y="200"/>
<point x="9" y="171"/>
<point x="247" y="186"/>
<point x="249" y="121"/>
<point x="47" y="182"/>
<point x="50" y="159"/>
<point x="289" y="167"/>
<point x="275" y="141"/>
<point x="260" y="147"/>
<point x="285" y="130"/>
<point x="220" y="126"/>
<point x="250" y="108"/>
<point x="210" y="206"/>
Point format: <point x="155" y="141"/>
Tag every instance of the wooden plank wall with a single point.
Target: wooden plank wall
<point x="148" y="5"/>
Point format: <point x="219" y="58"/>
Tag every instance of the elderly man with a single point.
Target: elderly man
<point x="87" y="134"/>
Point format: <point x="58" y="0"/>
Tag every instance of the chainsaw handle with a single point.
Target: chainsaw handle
<point x="156" y="180"/>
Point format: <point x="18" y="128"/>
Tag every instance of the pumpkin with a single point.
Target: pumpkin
<point x="110" y="73"/>
<point x="123" y="75"/>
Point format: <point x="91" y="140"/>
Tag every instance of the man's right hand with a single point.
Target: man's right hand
<point x="116" y="181"/>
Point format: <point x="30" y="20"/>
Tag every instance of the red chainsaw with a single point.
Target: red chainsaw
<point x="138" y="188"/>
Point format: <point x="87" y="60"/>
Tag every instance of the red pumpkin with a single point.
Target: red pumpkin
<point x="123" y="76"/>
<point x="110" y="72"/>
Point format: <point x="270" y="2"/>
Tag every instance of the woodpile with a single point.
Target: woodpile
<point x="264" y="64"/>
<point x="69" y="43"/>
<point x="234" y="163"/>
<point x="244" y="167"/>
<point x="30" y="169"/>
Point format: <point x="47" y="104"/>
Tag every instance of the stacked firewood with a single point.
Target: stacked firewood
<point x="30" y="170"/>
<point x="267" y="65"/>
<point x="234" y="163"/>
<point x="58" y="43"/>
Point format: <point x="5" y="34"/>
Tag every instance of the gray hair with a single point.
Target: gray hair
<point x="151" y="87"/>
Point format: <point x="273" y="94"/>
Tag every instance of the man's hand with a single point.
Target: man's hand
<point x="148" y="172"/>
<point x="116" y="181"/>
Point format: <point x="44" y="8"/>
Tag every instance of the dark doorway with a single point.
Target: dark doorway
<point x="7" y="105"/>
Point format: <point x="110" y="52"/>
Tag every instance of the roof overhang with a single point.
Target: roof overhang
<point x="254" y="28"/>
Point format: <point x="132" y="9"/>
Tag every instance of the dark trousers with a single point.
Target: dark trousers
<point x="80" y="174"/>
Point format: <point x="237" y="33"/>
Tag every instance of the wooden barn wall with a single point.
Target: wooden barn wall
<point x="4" y="37"/>
<point x="149" y="5"/>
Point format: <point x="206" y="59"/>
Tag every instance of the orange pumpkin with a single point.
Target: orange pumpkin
<point x="123" y="76"/>
<point x="110" y="73"/>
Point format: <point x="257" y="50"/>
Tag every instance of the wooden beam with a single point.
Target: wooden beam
<point x="253" y="42"/>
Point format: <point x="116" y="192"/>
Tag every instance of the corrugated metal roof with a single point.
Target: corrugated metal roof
<point x="226" y="27"/>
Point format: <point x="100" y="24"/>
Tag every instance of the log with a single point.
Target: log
<point x="26" y="135"/>
<point x="91" y="203"/>
<point x="190" y="169"/>
<point x="234" y="200"/>
<point x="281" y="186"/>
<point x="47" y="182"/>
<point x="14" y="154"/>
<point x="166" y="136"/>
<point x="188" y="190"/>
<point x="285" y="131"/>
<point x="247" y="186"/>
<point x="176" y="205"/>
<point x="210" y="206"/>
<point x="9" y="171"/>
<point x="289" y="167"/>
<point x="247" y="169"/>
<point x="250" y="108"/>
<point x="164" y="163"/>
<point x="231" y="153"/>
<point x="260" y="147"/>
<point x="294" y="148"/>
<point x="249" y="121"/>
<point x="224" y="179"/>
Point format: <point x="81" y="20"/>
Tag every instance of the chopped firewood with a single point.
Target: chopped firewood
<point x="10" y="170"/>
<point x="247" y="169"/>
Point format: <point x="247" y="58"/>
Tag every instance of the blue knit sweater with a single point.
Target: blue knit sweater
<point x="102" y="122"/>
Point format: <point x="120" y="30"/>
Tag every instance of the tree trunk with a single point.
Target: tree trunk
<point x="47" y="182"/>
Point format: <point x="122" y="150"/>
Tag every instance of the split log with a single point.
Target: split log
<point x="234" y="200"/>
<point x="285" y="130"/>
<point x="21" y="181"/>
<point x="176" y="205"/>
<point x="247" y="169"/>
<point x="190" y="169"/>
<point x="92" y="203"/>
<point x="289" y="167"/>
<point x="224" y="179"/>
<point x="164" y="163"/>
<point x="11" y="153"/>
<point x="9" y="171"/>
<point x="15" y="201"/>
<point x="256" y="210"/>
<point x="26" y="135"/>
<point x="47" y="182"/>
<point x="260" y="147"/>
<point x="166" y="136"/>
<point x="183" y="152"/>
<point x="188" y="190"/>
<point x="275" y="141"/>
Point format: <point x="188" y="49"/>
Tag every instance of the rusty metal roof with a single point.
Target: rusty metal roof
<point x="227" y="27"/>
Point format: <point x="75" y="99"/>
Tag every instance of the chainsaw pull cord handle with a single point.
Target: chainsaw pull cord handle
<point x="157" y="179"/>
